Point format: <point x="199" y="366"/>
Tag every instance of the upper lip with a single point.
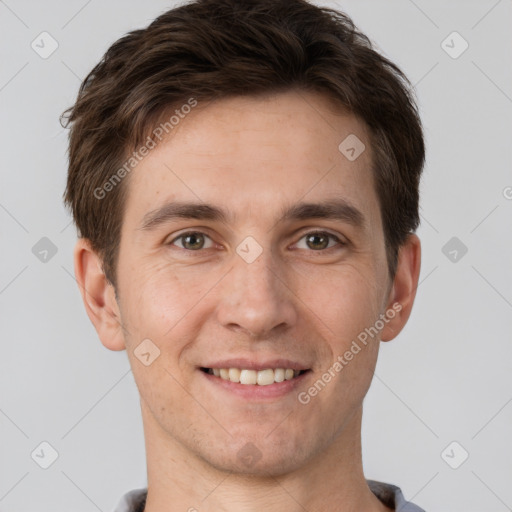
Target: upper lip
<point x="256" y="364"/>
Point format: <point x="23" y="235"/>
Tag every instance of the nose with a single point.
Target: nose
<point x="256" y="299"/>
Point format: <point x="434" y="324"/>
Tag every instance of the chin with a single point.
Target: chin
<point x="259" y="457"/>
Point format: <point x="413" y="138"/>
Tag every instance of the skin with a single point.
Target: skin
<point x="298" y="300"/>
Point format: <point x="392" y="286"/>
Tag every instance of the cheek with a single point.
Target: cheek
<point x="356" y="343"/>
<point x="156" y="306"/>
<point x="161" y="302"/>
<point x="345" y="300"/>
<point x="150" y="302"/>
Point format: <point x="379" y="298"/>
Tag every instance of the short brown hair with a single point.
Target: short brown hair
<point x="211" y="49"/>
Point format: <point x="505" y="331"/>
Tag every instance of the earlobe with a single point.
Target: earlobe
<point x="98" y="296"/>
<point x="403" y="289"/>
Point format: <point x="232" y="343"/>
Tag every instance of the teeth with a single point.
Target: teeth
<point x="248" y="376"/>
<point x="279" y="375"/>
<point x="265" y="377"/>
<point x="234" y="374"/>
<point x="252" y="377"/>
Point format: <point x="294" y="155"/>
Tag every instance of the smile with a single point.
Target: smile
<point x="254" y="377"/>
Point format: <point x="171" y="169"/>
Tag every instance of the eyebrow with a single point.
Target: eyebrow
<point x="337" y="209"/>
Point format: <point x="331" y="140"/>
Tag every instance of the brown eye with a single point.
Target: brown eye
<point x="320" y="240"/>
<point x="317" y="241"/>
<point x="191" y="241"/>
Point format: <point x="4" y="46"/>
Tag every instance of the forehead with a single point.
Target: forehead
<point x="252" y="155"/>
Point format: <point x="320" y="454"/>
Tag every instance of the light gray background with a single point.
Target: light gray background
<point x="445" y="378"/>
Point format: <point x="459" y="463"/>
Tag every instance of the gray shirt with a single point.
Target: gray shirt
<point x="390" y="495"/>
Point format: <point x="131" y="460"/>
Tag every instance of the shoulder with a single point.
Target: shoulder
<point x="392" y="496"/>
<point x="132" y="501"/>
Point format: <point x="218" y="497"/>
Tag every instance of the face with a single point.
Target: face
<point x="280" y="266"/>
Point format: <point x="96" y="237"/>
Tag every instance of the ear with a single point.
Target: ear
<point x="98" y="295"/>
<point x="403" y="289"/>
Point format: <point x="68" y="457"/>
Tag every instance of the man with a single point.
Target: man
<point x="244" y="178"/>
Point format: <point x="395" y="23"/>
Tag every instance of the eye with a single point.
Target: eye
<point x="192" y="241"/>
<point x="319" y="240"/>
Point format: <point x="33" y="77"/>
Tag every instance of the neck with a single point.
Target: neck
<point x="331" y="480"/>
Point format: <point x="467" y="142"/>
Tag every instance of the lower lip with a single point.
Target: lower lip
<point x="254" y="391"/>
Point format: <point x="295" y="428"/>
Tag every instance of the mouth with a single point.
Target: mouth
<point x="252" y="377"/>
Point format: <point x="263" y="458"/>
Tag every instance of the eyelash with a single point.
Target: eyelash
<point x="340" y="242"/>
